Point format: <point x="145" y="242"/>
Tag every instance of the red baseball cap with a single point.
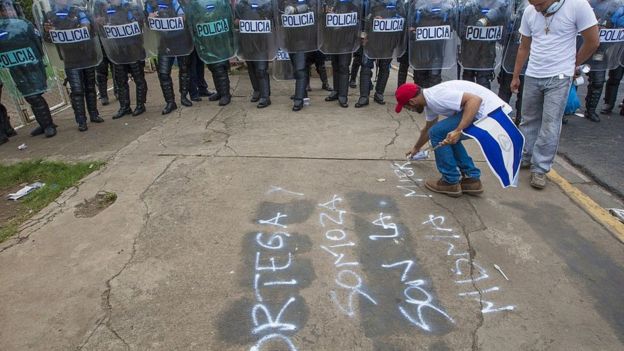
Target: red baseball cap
<point x="404" y="93"/>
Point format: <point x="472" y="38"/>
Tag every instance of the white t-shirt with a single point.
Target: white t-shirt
<point x="555" y="53"/>
<point x="445" y="99"/>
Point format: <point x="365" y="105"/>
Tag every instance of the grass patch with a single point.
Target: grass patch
<point x="57" y="176"/>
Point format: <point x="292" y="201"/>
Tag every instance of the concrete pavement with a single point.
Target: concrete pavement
<point x="244" y="229"/>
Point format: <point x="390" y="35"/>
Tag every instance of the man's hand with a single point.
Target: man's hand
<point x="452" y="138"/>
<point x="515" y="85"/>
<point x="413" y="151"/>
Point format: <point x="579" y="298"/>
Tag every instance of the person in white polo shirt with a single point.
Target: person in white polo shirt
<point x="549" y="29"/>
<point x="461" y="103"/>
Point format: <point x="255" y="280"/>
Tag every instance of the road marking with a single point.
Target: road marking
<point x="590" y="206"/>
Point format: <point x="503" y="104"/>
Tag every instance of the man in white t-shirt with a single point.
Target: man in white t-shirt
<point x="462" y="103"/>
<point x="549" y="29"/>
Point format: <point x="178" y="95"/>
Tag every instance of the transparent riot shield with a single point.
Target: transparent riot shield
<point x="297" y="25"/>
<point x="167" y="32"/>
<point x="213" y="34"/>
<point x="339" y="26"/>
<point x="482" y="30"/>
<point x="512" y="43"/>
<point x="383" y="35"/>
<point x="432" y="34"/>
<point x="610" y="16"/>
<point x="21" y="52"/>
<point x="254" y="26"/>
<point x="68" y="33"/>
<point x="282" y="67"/>
<point x="120" y="25"/>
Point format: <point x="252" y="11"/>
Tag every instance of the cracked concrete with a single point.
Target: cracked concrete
<point x="171" y="265"/>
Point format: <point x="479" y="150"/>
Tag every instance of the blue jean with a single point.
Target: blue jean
<point x="452" y="160"/>
<point x="543" y="104"/>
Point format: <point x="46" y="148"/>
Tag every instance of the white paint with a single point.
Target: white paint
<point x="433" y="219"/>
<point x="422" y="304"/>
<point x="381" y="223"/>
<point x="488" y="307"/>
<point x="355" y="290"/>
<point x="271" y="324"/>
<point x="275" y="220"/>
<point x="277" y="188"/>
<point x="339" y="220"/>
<point x="286" y="340"/>
<point x="274" y="237"/>
<point x="340" y="256"/>
<point x="273" y="267"/>
<point x="408" y="265"/>
<point x="482" y="271"/>
<point x="471" y="293"/>
<point x="412" y="192"/>
<point x="331" y="204"/>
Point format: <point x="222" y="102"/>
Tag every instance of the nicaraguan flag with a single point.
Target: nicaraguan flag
<point x="501" y="142"/>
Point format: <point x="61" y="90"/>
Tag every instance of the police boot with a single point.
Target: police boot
<point x="101" y="73"/>
<point x="168" y="94"/>
<point x="591" y="102"/>
<point x="223" y="87"/>
<point x="333" y="96"/>
<point x="365" y="86"/>
<point x="138" y="75"/>
<point x="264" y="85"/>
<point x="184" y="80"/>
<point x="103" y="94"/>
<point x="322" y="72"/>
<point x="484" y="78"/>
<point x="300" y="93"/>
<point x="91" y="95"/>
<point x="609" y="99"/>
<point x="402" y="74"/>
<point x="5" y="122"/>
<point x="123" y="97"/>
<point x="380" y="87"/>
<point x="40" y="109"/>
<point x="255" y="96"/>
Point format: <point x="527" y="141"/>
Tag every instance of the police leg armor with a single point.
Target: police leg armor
<point x="611" y="89"/>
<point x="504" y="85"/>
<point x="343" y="79"/>
<point x="421" y="78"/>
<point x="137" y="71"/>
<point x="594" y="90"/>
<point x="366" y="72"/>
<point x="253" y="77"/>
<point x="91" y="95"/>
<point x="221" y="82"/>
<point x="358" y="58"/>
<point x="40" y="109"/>
<point x="301" y="79"/>
<point x="319" y="63"/>
<point x="101" y="78"/>
<point x="403" y="68"/>
<point x="6" y="130"/>
<point x="484" y="78"/>
<point x="469" y="75"/>
<point x="435" y="77"/>
<point x="382" y="80"/>
<point x="166" y="83"/>
<point x="77" y="96"/>
<point x="123" y="90"/>
<point x="333" y="96"/>
<point x="184" y="79"/>
<point x="262" y="76"/>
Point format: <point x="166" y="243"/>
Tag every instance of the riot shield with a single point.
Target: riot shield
<point x="282" y="67"/>
<point x="255" y="29"/>
<point x="512" y="43"/>
<point x="482" y="29"/>
<point x="383" y="34"/>
<point x="167" y="32"/>
<point x="21" y="52"/>
<point x="297" y="23"/>
<point x="120" y="25"/>
<point x="68" y="33"/>
<point x="609" y="14"/>
<point x="339" y="26"/>
<point x="211" y="24"/>
<point x="432" y="34"/>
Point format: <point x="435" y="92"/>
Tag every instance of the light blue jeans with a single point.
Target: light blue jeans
<point x="543" y="103"/>
<point x="452" y="160"/>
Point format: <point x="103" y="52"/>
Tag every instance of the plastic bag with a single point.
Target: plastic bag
<point x="573" y="102"/>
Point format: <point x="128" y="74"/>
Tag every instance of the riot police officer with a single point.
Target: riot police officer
<point x="340" y="28"/>
<point x="482" y="24"/>
<point x="297" y="25"/>
<point x="101" y="79"/>
<point x="21" y="49"/>
<point x="607" y="55"/>
<point x="68" y="32"/>
<point x="383" y="38"/>
<point x="257" y="45"/>
<point x="213" y="36"/>
<point x="432" y="39"/>
<point x="120" y="27"/>
<point x="169" y="38"/>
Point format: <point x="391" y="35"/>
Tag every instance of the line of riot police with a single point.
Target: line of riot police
<point x="82" y="36"/>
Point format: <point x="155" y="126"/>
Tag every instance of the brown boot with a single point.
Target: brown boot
<point x="471" y="186"/>
<point x="442" y="187"/>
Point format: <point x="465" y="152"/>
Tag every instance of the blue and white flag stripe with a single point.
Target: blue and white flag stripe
<point x="501" y="143"/>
